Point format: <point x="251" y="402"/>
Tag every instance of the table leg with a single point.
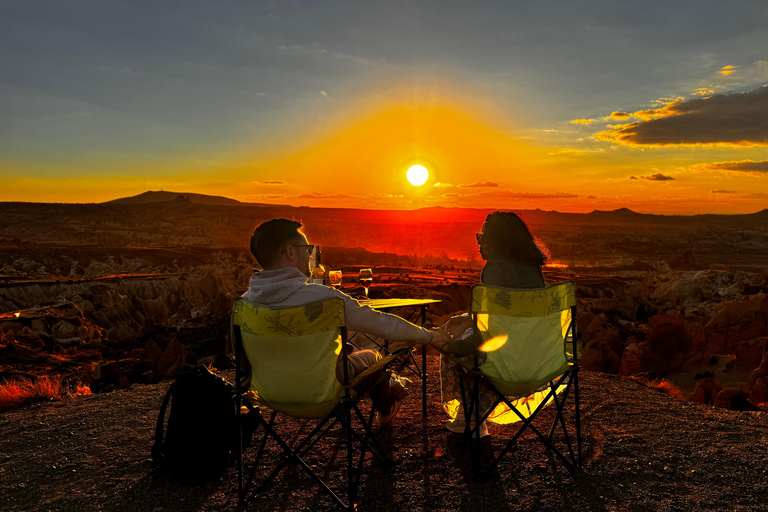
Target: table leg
<point x="423" y="368"/>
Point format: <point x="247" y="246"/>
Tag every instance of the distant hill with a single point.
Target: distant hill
<point x="164" y="196"/>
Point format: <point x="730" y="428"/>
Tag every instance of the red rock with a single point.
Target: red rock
<point x="759" y="392"/>
<point x="750" y="326"/>
<point x="749" y="353"/>
<point x="706" y="391"/>
<point x="760" y="371"/>
<point x="630" y="360"/>
<point x="171" y="361"/>
<point x="667" y="335"/>
<point x="151" y="354"/>
<point x="599" y="356"/>
<point x="732" y="398"/>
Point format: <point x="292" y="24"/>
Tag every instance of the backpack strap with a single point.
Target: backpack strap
<point x="157" y="448"/>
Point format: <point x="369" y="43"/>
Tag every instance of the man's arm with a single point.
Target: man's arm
<point x="382" y="325"/>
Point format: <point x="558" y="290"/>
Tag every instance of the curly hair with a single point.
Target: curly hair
<point x="509" y="237"/>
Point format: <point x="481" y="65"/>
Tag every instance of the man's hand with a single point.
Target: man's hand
<point x="440" y="339"/>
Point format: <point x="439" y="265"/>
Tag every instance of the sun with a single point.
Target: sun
<point x="417" y="175"/>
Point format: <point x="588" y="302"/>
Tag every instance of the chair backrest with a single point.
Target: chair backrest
<point x="292" y="353"/>
<point x="529" y="334"/>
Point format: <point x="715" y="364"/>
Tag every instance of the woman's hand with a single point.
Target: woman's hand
<point x="440" y="339"/>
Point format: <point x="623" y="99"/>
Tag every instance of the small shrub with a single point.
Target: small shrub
<point x="16" y="393"/>
<point x="662" y="385"/>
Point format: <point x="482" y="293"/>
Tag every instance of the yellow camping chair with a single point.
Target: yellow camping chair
<point x="531" y="341"/>
<point x="286" y="361"/>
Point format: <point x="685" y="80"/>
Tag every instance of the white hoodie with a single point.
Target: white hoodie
<point x="288" y="287"/>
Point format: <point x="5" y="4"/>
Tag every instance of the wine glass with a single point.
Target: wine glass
<point x="334" y="277"/>
<point x="366" y="276"/>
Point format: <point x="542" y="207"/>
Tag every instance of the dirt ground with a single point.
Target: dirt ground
<point x="643" y="451"/>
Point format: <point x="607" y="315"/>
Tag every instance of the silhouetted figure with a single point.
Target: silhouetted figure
<point x="514" y="260"/>
<point x="283" y="252"/>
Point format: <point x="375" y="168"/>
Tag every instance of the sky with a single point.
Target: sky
<point x="660" y="107"/>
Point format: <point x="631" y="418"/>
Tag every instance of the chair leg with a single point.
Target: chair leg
<point x="238" y="404"/>
<point x="577" y="405"/>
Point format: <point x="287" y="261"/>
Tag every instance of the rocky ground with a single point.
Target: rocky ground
<point x="643" y="451"/>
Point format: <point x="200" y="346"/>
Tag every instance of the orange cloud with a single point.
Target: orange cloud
<point x="582" y="121"/>
<point x="619" y="116"/>
<point x="480" y="184"/>
<point x="727" y="70"/>
<point x="704" y="91"/>
<point x="736" y="119"/>
<point x="721" y="191"/>
<point x="321" y="195"/>
<point x="506" y="194"/>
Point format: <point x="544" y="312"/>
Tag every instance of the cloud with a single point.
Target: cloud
<point x="755" y="195"/>
<point x="443" y="185"/>
<point x="727" y="70"/>
<point x="506" y="194"/>
<point x="721" y="191"/>
<point x="619" y="116"/>
<point x="322" y="195"/>
<point x="380" y="195"/>
<point x="658" y="177"/>
<point x="634" y="178"/>
<point x="266" y="196"/>
<point x="582" y="121"/>
<point x="480" y="184"/>
<point x="735" y="119"/>
<point x="749" y="166"/>
<point x="704" y="91"/>
<point x="269" y="182"/>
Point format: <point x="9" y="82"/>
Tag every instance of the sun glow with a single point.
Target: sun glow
<point x="417" y="175"/>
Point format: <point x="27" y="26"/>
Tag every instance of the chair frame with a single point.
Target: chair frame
<point x="572" y="460"/>
<point x="344" y="413"/>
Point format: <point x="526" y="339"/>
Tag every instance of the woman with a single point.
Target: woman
<point x="514" y="260"/>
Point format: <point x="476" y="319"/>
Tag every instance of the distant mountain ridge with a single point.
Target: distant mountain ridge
<point x="164" y="196"/>
<point x="620" y="215"/>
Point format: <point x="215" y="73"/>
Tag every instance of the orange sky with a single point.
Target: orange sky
<point x="362" y="160"/>
<point x="594" y="105"/>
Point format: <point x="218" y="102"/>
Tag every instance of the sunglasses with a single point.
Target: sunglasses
<point x="310" y="247"/>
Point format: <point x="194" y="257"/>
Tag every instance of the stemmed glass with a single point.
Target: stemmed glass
<point x="334" y="277"/>
<point x="366" y="276"/>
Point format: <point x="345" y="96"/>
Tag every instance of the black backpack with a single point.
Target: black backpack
<point x="201" y="427"/>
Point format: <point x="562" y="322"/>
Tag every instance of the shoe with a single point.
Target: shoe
<point x="397" y="393"/>
<point x="457" y="426"/>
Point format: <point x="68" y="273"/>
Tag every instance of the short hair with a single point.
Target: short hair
<point x="511" y="238"/>
<point x="270" y="238"/>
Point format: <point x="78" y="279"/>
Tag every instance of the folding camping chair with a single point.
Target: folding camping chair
<point x="531" y="340"/>
<point x="286" y="360"/>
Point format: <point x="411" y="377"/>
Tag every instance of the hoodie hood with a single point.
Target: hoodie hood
<point x="274" y="286"/>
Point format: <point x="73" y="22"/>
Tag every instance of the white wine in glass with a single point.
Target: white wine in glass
<point x="366" y="276"/>
<point x="334" y="277"/>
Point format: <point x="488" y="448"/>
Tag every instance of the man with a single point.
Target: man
<point x="283" y="252"/>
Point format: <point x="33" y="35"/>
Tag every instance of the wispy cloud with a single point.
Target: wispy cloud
<point x="653" y="177"/>
<point x="736" y="119"/>
<point x="321" y="195"/>
<point x="507" y="194"/>
<point x="269" y="182"/>
<point x="583" y="121"/>
<point x="480" y="184"/>
<point x="721" y="191"/>
<point x="746" y="166"/>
